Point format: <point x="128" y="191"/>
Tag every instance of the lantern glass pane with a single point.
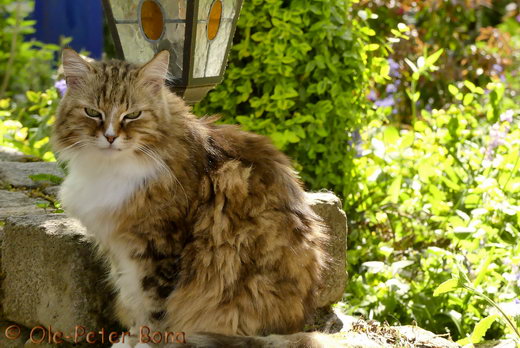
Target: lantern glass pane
<point x="175" y="39"/>
<point x="214" y="19"/>
<point x="135" y="47"/>
<point x="127" y="9"/>
<point x="152" y="21"/>
<point x="124" y="9"/>
<point x="175" y="9"/>
<point x="209" y="54"/>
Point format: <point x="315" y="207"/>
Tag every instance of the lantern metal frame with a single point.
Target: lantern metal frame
<point x="192" y="89"/>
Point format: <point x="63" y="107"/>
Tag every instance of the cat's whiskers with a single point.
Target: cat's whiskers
<point x="162" y="166"/>
<point x="82" y="143"/>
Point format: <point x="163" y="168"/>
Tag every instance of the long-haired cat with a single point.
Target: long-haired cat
<point x="205" y="226"/>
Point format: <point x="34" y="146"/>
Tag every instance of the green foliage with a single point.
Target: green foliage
<point x="462" y="281"/>
<point x="24" y="65"/>
<point x="444" y="190"/>
<point x="475" y="48"/>
<point x="299" y="73"/>
<point x="27" y="126"/>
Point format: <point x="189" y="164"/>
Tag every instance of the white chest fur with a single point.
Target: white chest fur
<point x="98" y="186"/>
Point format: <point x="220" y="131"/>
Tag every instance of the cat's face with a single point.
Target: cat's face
<point x="111" y="109"/>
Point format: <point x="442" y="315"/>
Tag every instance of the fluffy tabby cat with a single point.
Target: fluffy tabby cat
<point x="205" y="226"/>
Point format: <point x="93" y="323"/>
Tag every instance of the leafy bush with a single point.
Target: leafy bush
<point x="475" y="49"/>
<point x="441" y="192"/>
<point x="25" y="116"/>
<point x="298" y="72"/>
<point x="27" y="126"/>
<point x="24" y="65"/>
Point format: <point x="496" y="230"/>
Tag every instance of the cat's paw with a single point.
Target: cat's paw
<point x="121" y="345"/>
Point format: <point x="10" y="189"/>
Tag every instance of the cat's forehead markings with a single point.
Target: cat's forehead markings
<point x="110" y="131"/>
<point x="110" y="117"/>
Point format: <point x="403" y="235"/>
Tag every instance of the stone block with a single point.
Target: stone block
<point x="17" y="204"/>
<point x="12" y="155"/>
<point x="329" y="207"/>
<point x="53" y="276"/>
<point x="17" y="174"/>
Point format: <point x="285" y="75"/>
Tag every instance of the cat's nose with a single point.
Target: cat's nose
<point x="110" y="138"/>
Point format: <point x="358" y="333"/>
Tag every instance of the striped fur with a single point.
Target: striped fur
<point x="205" y="226"/>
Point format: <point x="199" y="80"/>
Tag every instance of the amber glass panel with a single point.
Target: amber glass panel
<point x="214" y="19"/>
<point x="152" y="20"/>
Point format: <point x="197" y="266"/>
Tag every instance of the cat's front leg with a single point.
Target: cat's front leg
<point x="131" y="341"/>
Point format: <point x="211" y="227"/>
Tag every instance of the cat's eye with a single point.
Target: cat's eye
<point x="92" y="113"/>
<point x="132" y="115"/>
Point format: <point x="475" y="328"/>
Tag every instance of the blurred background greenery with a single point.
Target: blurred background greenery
<point x="408" y="110"/>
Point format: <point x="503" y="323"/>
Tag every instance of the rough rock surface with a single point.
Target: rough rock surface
<point x="358" y="333"/>
<point x="329" y="207"/>
<point x="8" y="154"/>
<point x="17" y="174"/>
<point x="52" y="276"/>
<point x="17" y="203"/>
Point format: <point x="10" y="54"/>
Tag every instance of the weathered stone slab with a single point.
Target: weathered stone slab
<point x="12" y="155"/>
<point x="358" y="333"/>
<point x="52" y="276"/>
<point x="52" y="191"/>
<point x="17" y="204"/>
<point x="17" y="174"/>
<point x="329" y="207"/>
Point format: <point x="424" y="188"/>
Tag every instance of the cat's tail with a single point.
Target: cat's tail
<point x="297" y="340"/>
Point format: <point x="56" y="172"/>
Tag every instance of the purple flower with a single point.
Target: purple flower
<point x="388" y="101"/>
<point x="518" y="18"/>
<point x="391" y="88"/>
<point x="372" y="95"/>
<point x="497" y="138"/>
<point x="394" y="68"/>
<point x="61" y="86"/>
<point x="498" y="68"/>
<point x="356" y="139"/>
<point x="516" y="300"/>
<point x="507" y="116"/>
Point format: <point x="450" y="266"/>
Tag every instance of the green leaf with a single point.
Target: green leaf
<point x="470" y="85"/>
<point x="447" y="286"/>
<point x="395" y="188"/>
<point x="453" y="90"/>
<point x="434" y="57"/>
<point x="33" y="97"/>
<point x="468" y="98"/>
<point x="481" y="328"/>
<point x="391" y="135"/>
<point x="46" y="177"/>
<point x="411" y="64"/>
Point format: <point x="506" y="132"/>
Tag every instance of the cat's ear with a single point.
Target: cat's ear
<point x="75" y="68"/>
<point x="156" y="70"/>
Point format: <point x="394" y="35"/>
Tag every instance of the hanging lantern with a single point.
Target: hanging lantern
<point x="197" y="33"/>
